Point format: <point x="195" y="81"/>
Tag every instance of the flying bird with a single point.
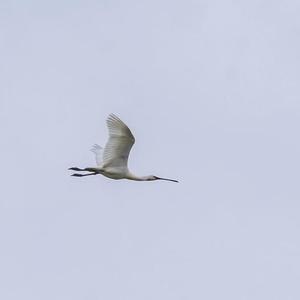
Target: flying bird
<point x="112" y="161"/>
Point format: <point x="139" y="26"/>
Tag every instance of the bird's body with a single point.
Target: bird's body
<point x="112" y="161"/>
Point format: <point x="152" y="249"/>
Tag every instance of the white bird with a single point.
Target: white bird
<point x="113" y="162"/>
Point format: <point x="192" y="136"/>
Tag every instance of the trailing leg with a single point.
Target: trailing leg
<point x="95" y="170"/>
<point x="76" y="169"/>
<point x="82" y="175"/>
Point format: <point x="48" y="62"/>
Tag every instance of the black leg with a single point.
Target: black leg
<point x="82" y="175"/>
<point x="76" y="169"/>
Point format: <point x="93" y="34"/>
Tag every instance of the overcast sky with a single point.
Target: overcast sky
<point x="210" y="89"/>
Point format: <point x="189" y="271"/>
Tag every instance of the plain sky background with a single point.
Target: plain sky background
<point x="210" y="90"/>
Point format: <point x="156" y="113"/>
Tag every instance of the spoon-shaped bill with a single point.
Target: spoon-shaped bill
<point x="167" y="179"/>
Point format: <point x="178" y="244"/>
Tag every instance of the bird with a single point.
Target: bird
<point x="112" y="161"/>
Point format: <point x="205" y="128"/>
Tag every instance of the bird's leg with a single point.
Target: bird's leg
<point x="82" y="175"/>
<point x="94" y="170"/>
<point x="76" y="169"/>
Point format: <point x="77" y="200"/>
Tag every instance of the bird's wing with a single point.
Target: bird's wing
<point x="119" y="144"/>
<point x="98" y="151"/>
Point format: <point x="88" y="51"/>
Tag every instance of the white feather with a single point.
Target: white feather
<point x="98" y="151"/>
<point x="119" y="144"/>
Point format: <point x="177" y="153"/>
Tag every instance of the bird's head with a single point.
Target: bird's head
<point x="152" y="177"/>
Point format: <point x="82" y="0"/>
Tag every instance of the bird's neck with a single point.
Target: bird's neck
<point x="131" y="176"/>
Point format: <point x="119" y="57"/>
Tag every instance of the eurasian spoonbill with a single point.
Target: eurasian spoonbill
<point x="113" y="162"/>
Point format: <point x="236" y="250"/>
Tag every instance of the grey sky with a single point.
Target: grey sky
<point x="210" y="90"/>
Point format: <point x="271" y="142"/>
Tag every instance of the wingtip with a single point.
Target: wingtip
<point x="111" y="115"/>
<point x="96" y="148"/>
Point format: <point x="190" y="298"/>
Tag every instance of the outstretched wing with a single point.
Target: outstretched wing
<point x="98" y="151"/>
<point x="119" y="144"/>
